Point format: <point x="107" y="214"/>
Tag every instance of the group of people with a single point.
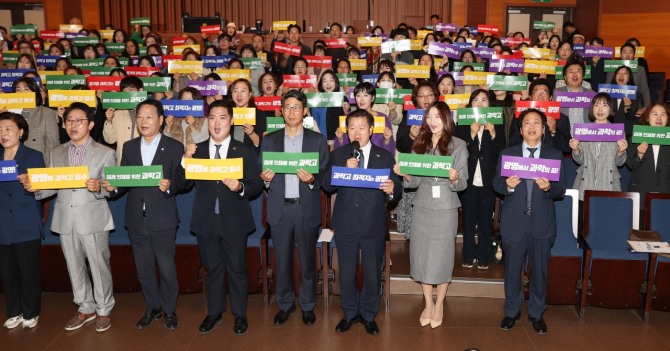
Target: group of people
<point x="426" y="207"/>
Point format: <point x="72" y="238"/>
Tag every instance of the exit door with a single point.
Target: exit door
<point x="520" y="19"/>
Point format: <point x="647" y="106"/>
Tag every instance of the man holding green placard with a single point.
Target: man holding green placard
<point x="294" y="208"/>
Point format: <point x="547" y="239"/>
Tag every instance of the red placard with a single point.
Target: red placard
<point x="268" y="103"/>
<point x="36" y="45"/>
<point x="319" y="61"/>
<point x="140" y="71"/>
<point x="299" y="81"/>
<point x="1" y="57"/>
<point x="283" y="48"/>
<point x="560" y="63"/>
<point x="487" y="28"/>
<point x="214" y="29"/>
<point x="336" y="43"/>
<point x="515" y="42"/>
<point x="104" y="83"/>
<point x="407" y="103"/>
<point x="178" y="41"/>
<point x="51" y="35"/>
<point x="168" y="58"/>
<point x="550" y="108"/>
<point x="514" y="55"/>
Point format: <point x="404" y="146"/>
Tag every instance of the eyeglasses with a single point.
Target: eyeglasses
<point x="292" y="108"/>
<point x="76" y="122"/>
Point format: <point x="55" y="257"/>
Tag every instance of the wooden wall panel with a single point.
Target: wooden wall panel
<point x="476" y="12"/>
<point x="458" y="12"/>
<point x="497" y="9"/>
<point x="586" y="17"/>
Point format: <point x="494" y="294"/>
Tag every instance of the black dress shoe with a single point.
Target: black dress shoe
<point x="509" y="322"/>
<point x="240" y="326"/>
<point x="371" y="327"/>
<point x="149" y="317"/>
<point x="208" y="323"/>
<point x="308" y="317"/>
<point x="345" y="324"/>
<point x="539" y="325"/>
<point x="171" y="321"/>
<point x="282" y="316"/>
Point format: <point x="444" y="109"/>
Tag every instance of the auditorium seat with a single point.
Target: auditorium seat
<point x="657" y="218"/>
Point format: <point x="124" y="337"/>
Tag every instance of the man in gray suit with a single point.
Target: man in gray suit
<point x="83" y="220"/>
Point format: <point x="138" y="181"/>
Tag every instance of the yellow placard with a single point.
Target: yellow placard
<point x="412" y="71"/>
<point x="358" y="64"/>
<point x="420" y="34"/>
<point x="44" y="74"/>
<point x="206" y="169"/>
<point x="455" y="101"/>
<point x="369" y="41"/>
<point x="282" y="25"/>
<point x="58" y="177"/>
<point x="65" y="98"/>
<point x="184" y="67"/>
<point x="540" y="66"/>
<point x="639" y="51"/>
<point x="475" y="78"/>
<point x="16" y="101"/>
<point x="107" y="33"/>
<point x="263" y="56"/>
<point x="244" y="115"/>
<point x="536" y="53"/>
<point x="416" y="44"/>
<point x="380" y="124"/>
<point x="71" y="28"/>
<point x="343" y="123"/>
<point x="233" y="74"/>
<point x="179" y="49"/>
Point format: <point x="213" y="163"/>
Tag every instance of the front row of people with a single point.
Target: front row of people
<point x="222" y="217"/>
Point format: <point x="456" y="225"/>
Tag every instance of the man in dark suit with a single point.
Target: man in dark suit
<point x="151" y="214"/>
<point x="222" y="219"/>
<point x="528" y="223"/>
<point x="294" y="208"/>
<point x="359" y="222"/>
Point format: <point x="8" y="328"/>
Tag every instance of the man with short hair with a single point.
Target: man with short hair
<point x="258" y="42"/>
<point x="285" y="61"/>
<point x="573" y="71"/>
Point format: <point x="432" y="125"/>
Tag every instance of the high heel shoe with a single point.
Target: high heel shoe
<point x="424" y="321"/>
<point x="434" y="323"/>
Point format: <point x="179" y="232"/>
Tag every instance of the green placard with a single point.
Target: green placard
<point x="612" y="65"/>
<point x="543" y="25"/>
<point x="142" y="50"/>
<point x="559" y="72"/>
<point x="23" y="29"/>
<point x="652" y="135"/>
<point x="115" y="47"/>
<point x="507" y="83"/>
<point x="348" y="79"/>
<point x="157" y="84"/>
<point x="142" y="21"/>
<point x="325" y="99"/>
<point x="425" y="165"/>
<point x="88" y="63"/>
<point x="124" y="61"/>
<point x="290" y="162"/>
<point x="252" y="63"/>
<point x="10" y="57"/>
<point x="133" y="176"/>
<point x="275" y="124"/>
<point x="63" y="82"/>
<point x="477" y="67"/>
<point x="467" y="116"/>
<point x="123" y="100"/>
<point x="100" y="71"/>
<point x="83" y="41"/>
<point x="395" y="95"/>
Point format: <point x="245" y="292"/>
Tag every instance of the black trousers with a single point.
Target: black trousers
<point x="477" y="207"/>
<point x="20" y="267"/>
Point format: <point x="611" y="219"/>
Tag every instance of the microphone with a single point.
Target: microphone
<point x="356" y="149"/>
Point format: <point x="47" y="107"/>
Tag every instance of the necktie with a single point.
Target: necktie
<point x="361" y="160"/>
<point x="529" y="182"/>
<point x="217" y="156"/>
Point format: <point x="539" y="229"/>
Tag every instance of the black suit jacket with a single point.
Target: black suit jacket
<point x="234" y="209"/>
<point x="310" y="199"/>
<point x="161" y="208"/>
<point x="487" y="154"/>
<point x="644" y="178"/>
<point x="560" y="140"/>
<point x="627" y="118"/>
<point x="361" y="211"/>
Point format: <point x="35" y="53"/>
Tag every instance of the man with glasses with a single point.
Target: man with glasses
<point x="294" y="208"/>
<point x="83" y="220"/>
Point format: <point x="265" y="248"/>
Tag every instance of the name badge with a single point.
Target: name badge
<point x="436" y="191"/>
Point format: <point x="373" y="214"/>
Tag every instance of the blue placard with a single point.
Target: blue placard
<point x="618" y="91"/>
<point x="370" y="78"/>
<point x="359" y="177"/>
<point x="482" y="45"/>
<point x="183" y="108"/>
<point x="363" y="54"/>
<point x="462" y="46"/>
<point x="415" y="117"/>
<point x="578" y="49"/>
<point x="15" y="73"/>
<point x="216" y="61"/>
<point x="46" y="60"/>
<point x="7" y="82"/>
<point x="8" y="171"/>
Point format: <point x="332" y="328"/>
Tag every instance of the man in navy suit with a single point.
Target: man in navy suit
<point x="359" y="222"/>
<point x="528" y="223"/>
<point x="294" y="208"/>
<point x="222" y="219"/>
<point x="151" y="214"/>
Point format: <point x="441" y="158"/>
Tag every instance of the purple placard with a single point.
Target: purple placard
<point x="458" y="76"/>
<point x="351" y="97"/>
<point x="216" y="61"/>
<point x="483" y="52"/>
<point x="602" y="52"/>
<point x="370" y="78"/>
<point x="530" y="168"/>
<point x="8" y="171"/>
<point x="500" y="65"/>
<point x="444" y="49"/>
<point x="158" y="60"/>
<point x="504" y="41"/>
<point x="618" y="91"/>
<point x="359" y="177"/>
<point x="210" y="87"/>
<point x="482" y="45"/>
<point x="70" y="36"/>
<point x="598" y="131"/>
<point x="441" y="27"/>
<point x="576" y="99"/>
<point x="463" y="46"/>
<point x="415" y="117"/>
